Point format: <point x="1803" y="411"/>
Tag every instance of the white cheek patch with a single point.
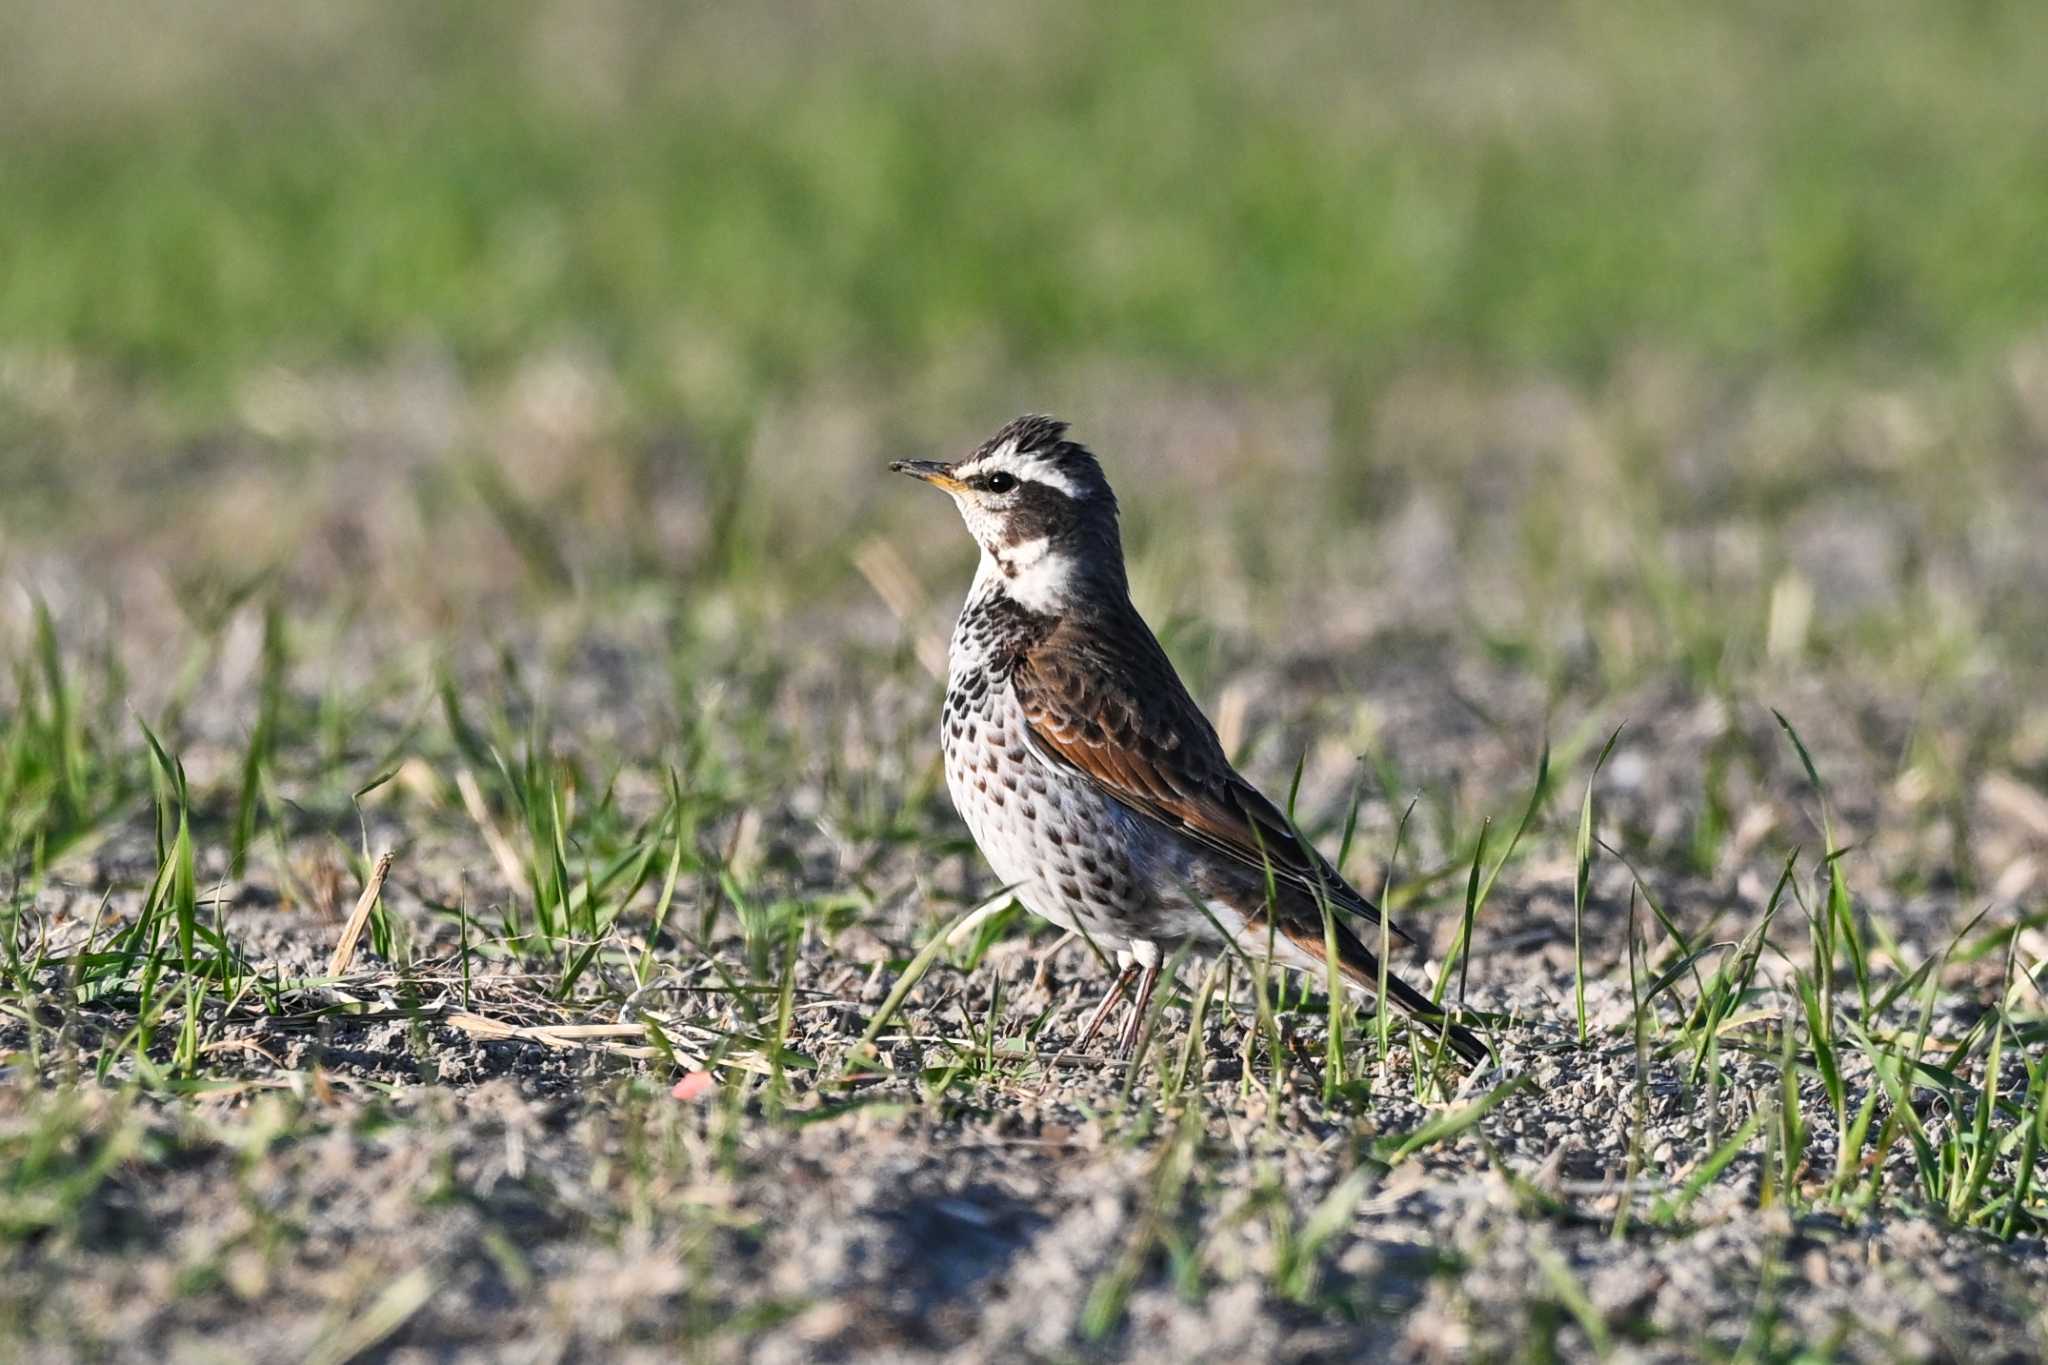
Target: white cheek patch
<point x="1025" y="468"/>
<point x="1035" y="576"/>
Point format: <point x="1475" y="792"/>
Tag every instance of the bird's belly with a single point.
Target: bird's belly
<point x="1065" y="848"/>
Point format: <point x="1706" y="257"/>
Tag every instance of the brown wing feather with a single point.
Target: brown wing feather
<point x="1101" y="697"/>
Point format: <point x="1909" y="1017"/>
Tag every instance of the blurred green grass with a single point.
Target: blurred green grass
<point x="737" y="200"/>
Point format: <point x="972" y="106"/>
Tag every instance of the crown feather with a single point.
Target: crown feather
<point x="1028" y="435"/>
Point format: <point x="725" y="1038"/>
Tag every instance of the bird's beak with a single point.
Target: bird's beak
<point x="931" y="471"/>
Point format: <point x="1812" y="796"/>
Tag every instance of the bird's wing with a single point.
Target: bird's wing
<point x="1102" y="699"/>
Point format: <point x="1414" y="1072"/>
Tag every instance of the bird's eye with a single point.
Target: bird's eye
<point x="999" y="482"/>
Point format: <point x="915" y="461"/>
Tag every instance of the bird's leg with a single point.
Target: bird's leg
<point x="1129" y="1037"/>
<point x="1116" y="993"/>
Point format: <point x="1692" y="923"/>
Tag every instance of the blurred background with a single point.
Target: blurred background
<point x="1614" y="341"/>
<point x="461" y="429"/>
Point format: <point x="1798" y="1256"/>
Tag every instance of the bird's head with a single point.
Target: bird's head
<point x="1040" y="509"/>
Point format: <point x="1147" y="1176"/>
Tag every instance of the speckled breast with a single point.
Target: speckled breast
<point x="1062" y="845"/>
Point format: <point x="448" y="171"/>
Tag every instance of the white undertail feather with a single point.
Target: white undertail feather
<point x="1255" y="941"/>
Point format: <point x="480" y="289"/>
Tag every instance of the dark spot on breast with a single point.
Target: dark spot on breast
<point x="1057" y="839"/>
<point x="1072" y="890"/>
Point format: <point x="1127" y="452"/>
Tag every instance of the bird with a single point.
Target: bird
<point x="1091" y="780"/>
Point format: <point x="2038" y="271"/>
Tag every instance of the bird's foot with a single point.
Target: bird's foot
<point x="1101" y="1015"/>
<point x="1127" y="1040"/>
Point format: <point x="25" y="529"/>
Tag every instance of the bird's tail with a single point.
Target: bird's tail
<point x="1361" y="967"/>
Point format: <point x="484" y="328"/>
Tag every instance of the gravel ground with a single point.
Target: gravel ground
<point x="394" y="1177"/>
<point x="505" y="1192"/>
